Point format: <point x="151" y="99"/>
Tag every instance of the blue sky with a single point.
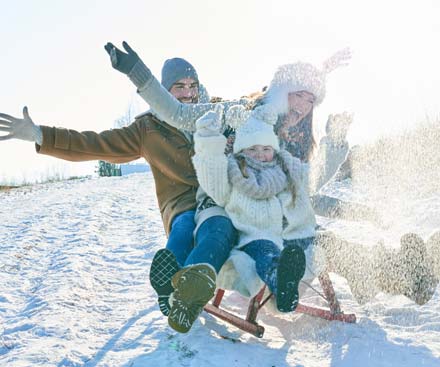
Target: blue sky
<point x="53" y="59"/>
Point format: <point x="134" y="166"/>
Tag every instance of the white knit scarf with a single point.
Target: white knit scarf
<point x="265" y="179"/>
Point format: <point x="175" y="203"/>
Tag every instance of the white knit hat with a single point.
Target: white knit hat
<point x="257" y="129"/>
<point x="302" y="76"/>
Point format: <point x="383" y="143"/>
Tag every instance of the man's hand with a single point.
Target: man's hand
<point x="210" y="123"/>
<point x="122" y="61"/>
<point x="337" y="126"/>
<point x="17" y="128"/>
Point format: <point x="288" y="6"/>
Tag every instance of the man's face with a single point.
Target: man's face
<point x="186" y="90"/>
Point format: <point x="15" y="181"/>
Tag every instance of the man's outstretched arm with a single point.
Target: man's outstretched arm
<point x="116" y="145"/>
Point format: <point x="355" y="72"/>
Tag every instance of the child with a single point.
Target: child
<point x="263" y="190"/>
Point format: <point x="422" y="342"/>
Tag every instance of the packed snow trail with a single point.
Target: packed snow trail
<point x="74" y="291"/>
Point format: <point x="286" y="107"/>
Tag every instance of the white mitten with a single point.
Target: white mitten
<point x="210" y="123"/>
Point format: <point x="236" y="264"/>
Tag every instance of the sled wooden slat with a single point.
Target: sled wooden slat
<point x="254" y="306"/>
<point x="329" y="292"/>
<point x="218" y="297"/>
<point x="250" y="325"/>
<point x="325" y="314"/>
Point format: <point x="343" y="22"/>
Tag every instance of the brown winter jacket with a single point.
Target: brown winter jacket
<point x="165" y="148"/>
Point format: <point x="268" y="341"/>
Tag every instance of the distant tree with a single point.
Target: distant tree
<point x="128" y="117"/>
<point x="111" y="169"/>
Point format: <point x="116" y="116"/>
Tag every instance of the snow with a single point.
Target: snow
<point x="74" y="291"/>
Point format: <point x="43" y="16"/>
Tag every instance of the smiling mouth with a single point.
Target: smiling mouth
<point x="187" y="100"/>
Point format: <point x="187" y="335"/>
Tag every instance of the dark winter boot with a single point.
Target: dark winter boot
<point x="290" y="270"/>
<point x="352" y="261"/>
<point x="194" y="286"/>
<point x="163" y="267"/>
<point x="433" y="252"/>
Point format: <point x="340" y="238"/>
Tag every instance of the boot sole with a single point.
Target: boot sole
<point x="291" y="268"/>
<point x="193" y="268"/>
<point x="163" y="267"/>
<point x="184" y="312"/>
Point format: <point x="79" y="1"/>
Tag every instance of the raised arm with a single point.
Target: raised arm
<point x="332" y="152"/>
<point x="209" y="160"/>
<point x="169" y="109"/>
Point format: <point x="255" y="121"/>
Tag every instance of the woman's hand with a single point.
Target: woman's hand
<point x="337" y="126"/>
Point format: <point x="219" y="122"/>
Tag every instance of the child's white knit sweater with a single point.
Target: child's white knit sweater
<point x="255" y="218"/>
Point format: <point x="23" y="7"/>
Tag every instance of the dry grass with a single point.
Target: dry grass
<point x="7" y="188"/>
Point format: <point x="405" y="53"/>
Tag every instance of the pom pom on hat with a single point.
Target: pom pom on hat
<point x="258" y="129"/>
<point x="265" y="113"/>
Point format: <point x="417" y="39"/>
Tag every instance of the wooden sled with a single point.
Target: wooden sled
<point x="250" y="325"/>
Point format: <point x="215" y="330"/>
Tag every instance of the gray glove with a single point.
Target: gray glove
<point x="23" y="129"/>
<point x="210" y="123"/>
<point x="122" y="61"/>
<point x="128" y="63"/>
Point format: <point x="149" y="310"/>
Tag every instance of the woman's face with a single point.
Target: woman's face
<point x="262" y="153"/>
<point x="300" y="105"/>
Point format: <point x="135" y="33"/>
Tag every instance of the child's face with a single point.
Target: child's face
<point x="262" y="153"/>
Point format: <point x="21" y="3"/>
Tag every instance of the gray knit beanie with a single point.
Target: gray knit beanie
<point x="176" y="69"/>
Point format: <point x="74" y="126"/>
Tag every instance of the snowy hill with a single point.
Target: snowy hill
<point x="74" y="291"/>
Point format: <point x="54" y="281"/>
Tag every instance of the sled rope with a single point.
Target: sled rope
<point x="315" y="290"/>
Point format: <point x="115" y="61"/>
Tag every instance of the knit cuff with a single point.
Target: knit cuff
<point x="140" y="74"/>
<point x="38" y="134"/>
<point x="209" y="144"/>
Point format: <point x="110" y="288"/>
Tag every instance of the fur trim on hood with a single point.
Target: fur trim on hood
<point x="292" y="78"/>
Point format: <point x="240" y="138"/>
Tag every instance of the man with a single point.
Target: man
<point x="168" y="152"/>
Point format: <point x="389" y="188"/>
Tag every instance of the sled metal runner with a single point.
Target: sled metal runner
<point x="250" y="324"/>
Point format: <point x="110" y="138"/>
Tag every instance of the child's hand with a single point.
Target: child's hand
<point x="210" y="123"/>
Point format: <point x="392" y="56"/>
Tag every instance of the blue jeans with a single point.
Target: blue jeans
<point x="215" y="239"/>
<point x="266" y="255"/>
<point x="180" y="240"/>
